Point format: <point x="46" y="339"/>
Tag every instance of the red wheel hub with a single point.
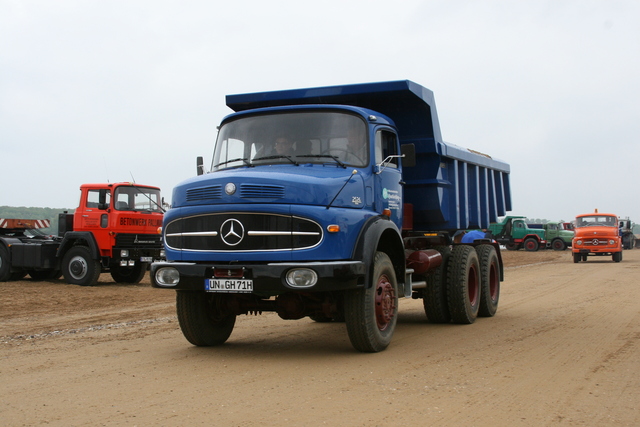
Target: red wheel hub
<point x="385" y="302"/>
<point x="473" y="286"/>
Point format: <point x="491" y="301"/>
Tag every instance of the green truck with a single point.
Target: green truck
<point x="557" y="236"/>
<point x="514" y="233"/>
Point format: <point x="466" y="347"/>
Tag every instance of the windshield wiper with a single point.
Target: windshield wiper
<point x="244" y="159"/>
<point x="277" y="157"/>
<point x="148" y="197"/>
<point x="325" y="156"/>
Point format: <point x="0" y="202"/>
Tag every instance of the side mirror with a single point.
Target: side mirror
<point x="199" y="165"/>
<point x="408" y="155"/>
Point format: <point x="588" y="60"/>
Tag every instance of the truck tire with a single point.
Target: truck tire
<point x="617" y="257"/>
<point x="79" y="268"/>
<point x="201" y="320"/>
<point x="489" y="280"/>
<point x="531" y="244"/>
<point x="434" y="298"/>
<point x="371" y="314"/>
<point x="558" y="245"/>
<point x="5" y="265"/>
<point x="129" y="274"/>
<point x="463" y="282"/>
<point x="45" y="274"/>
<point x="512" y="246"/>
<point x="576" y="257"/>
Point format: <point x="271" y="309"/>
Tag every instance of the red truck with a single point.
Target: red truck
<point x="596" y="235"/>
<point x="115" y="229"/>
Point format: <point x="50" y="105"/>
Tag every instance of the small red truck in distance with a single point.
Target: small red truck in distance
<point x="596" y="235"/>
<point x="115" y="229"/>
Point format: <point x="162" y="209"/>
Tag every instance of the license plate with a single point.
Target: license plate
<point x="146" y="259"/>
<point x="228" y="285"/>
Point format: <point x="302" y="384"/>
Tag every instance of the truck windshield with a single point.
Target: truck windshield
<point x="292" y="138"/>
<point x="136" y="198"/>
<point x="596" y="220"/>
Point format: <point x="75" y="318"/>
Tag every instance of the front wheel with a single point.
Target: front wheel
<point x="531" y="244"/>
<point x="129" y="274"/>
<point x="617" y="257"/>
<point x="489" y="280"/>
<point x="371" y="314"/>
<point x="79" y="268"/>
<point x="202" y="320"/>
<point x="577" y="257"/>
<point x="464" y="284"/>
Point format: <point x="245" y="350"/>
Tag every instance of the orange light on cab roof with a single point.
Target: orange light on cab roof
<point x="387" y="212"/>
<point x="333" y="228"/>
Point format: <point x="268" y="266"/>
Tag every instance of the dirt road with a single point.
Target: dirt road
<point x="563" y="349"/>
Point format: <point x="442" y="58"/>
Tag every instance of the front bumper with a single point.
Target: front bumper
<point x="596" y="250"/>
<point x="268" y="278"/>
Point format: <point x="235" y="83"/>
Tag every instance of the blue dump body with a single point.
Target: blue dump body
<point x="451" y="187"/>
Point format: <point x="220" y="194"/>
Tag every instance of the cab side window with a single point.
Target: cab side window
<point x="386" y="145"/>
<point x="94" y="199"/>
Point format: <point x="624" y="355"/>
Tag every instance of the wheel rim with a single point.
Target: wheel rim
<point x="385" y="302"/>
<point x="473" y="286"/>
<point x="78" y="267"/>
<point x="493" y="282"/>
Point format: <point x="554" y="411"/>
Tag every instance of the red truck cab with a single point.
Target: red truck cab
<point x="116" y="229"/>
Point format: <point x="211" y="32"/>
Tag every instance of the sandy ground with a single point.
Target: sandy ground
<point x="563" y="349"/>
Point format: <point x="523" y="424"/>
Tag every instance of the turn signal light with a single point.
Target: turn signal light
<point x="333" y="228"/>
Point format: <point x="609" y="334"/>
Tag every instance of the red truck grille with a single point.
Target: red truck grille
<point x="596" y="242"/>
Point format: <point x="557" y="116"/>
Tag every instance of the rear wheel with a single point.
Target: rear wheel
<point x="371" y="314"/>
<point x="489" y="280"/>
<point x="202" y="320"/>
<point x="531" y="244"/>
<point x="463" y="290"/>
<point x="79" y="268"/>
<point x="129" y="274"/>
<point x="512" y="246"/>
<point x="434" y="297"/>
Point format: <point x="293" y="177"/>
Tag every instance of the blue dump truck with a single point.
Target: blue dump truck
<point x="332" y="203"/>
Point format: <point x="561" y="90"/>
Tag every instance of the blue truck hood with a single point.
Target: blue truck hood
<point x="307" y="184"/>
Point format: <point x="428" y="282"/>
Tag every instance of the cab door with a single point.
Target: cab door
<point x="94" y="216"/>
<point x="388" y="173"/>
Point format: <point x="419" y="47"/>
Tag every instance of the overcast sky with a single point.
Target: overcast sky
<point x="95" y="91"/>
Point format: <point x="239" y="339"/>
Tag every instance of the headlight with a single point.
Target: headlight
<point x="302" y="278"/>
<point x="124" y="253"/>
<point x="167" y="276"/>
<point x="578" y="242"/>
<point x="612" y="242"/>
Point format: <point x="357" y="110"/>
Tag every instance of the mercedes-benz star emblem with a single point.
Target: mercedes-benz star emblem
<point x="232" y="232"/>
